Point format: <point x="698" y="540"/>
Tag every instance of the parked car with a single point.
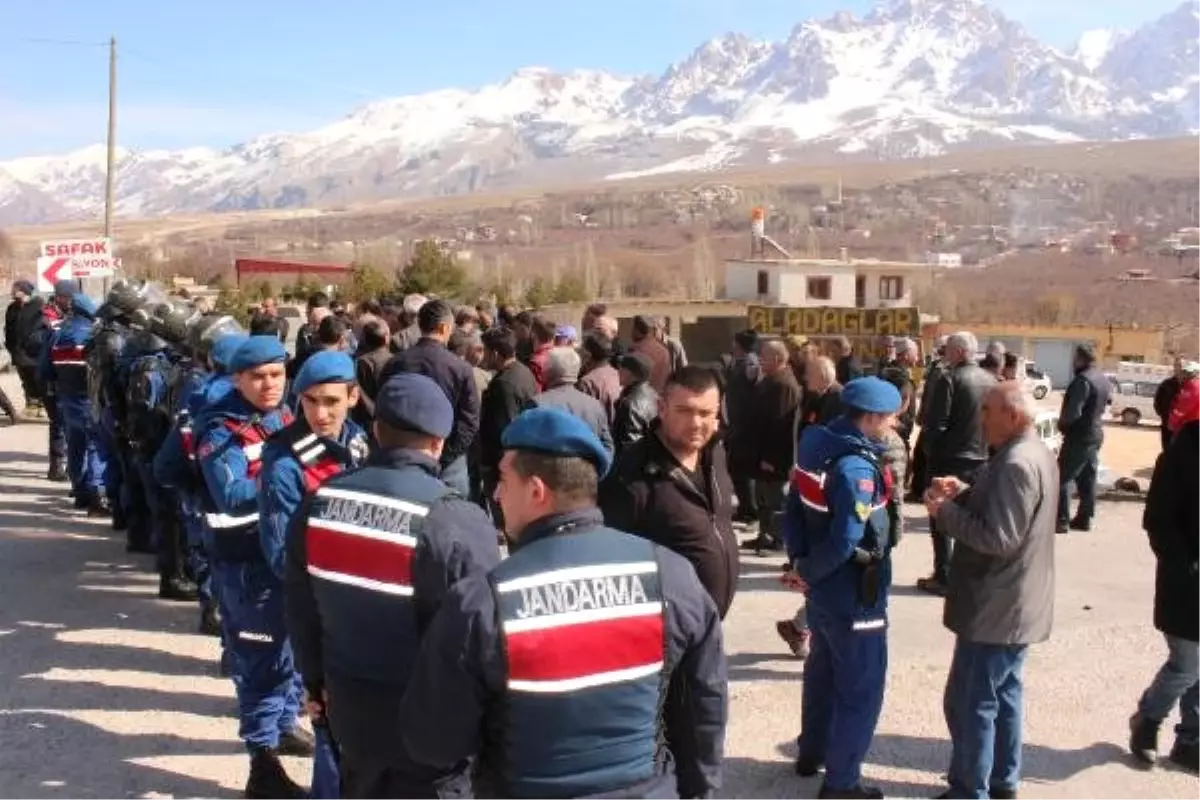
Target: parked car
<point x="1046" y="424"/>
<point x="1132" y="401"/>
<point x="1036" y="381"/>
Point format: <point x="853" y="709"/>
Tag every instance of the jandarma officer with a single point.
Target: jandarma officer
<point x="836" y="530"/>
<point x="369" y="562"/>
<point x="568" y="643"/>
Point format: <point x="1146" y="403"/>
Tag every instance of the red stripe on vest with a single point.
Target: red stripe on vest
<point x="189" y="442"/>
<point x="809" y="487"/>
<point x="589" y="648"/>
<point x="358" y="556"/>
<point x="324" y="469"/>
<point x="66" y="353"/>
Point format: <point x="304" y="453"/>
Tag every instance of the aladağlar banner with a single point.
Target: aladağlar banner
<point x="850" y="322"/>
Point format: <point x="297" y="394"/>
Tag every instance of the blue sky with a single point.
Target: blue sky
<point x="217" y="72"/>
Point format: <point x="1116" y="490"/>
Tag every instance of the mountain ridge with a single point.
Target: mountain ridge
<point x="911" y="78"/>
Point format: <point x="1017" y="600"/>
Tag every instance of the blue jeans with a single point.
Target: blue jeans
<point x="983" y="708"/>
<point x="1175" y="683"/>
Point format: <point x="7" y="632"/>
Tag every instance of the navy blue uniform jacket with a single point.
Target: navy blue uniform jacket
<point x="390" y="541"/>
<point x="457" y="691"/>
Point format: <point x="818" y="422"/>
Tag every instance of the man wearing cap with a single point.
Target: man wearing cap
<point x="175" y="466"/>
<point x="566" y="336"/>
<point x="1081" y="422"/>
<point x="320" y="443"/>
<point x="836" y="530"/>
<point x="898" y="372"/>
<point x="637" y="407"/>
<point x="233" y="431"/>
<point x="38" y="328"/>
<point x="64" y="366"/>
<point x="369" y="561"/>
<point x="22" y="292"/>
<point x="552" y="669"/>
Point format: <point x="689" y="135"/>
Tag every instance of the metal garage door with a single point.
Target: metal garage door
<point x="1055" y="357"/>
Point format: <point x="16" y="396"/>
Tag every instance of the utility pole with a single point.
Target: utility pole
<point x="110" y="178"/>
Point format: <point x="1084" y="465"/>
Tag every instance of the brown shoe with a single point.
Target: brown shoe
<point x="796" y="640"/>
<point x="932" y="585"/>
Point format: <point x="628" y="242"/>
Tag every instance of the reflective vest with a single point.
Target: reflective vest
<point x="810" y="486"/>
<point x="318" y="463"/>
<point x="583" y="629"/>
<point x="251" y="437"/>
<point x="361" y="535"/>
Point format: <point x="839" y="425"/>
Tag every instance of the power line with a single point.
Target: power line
<point x="74" y="42"/>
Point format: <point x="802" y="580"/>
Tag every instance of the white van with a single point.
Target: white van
<point x="1132" y="401"/>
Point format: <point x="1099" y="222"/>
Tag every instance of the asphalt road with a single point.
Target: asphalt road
<point x="105" y="691"/>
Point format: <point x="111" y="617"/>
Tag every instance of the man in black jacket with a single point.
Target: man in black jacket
<point x="741" y="377"/>
<point x="1164" y="398"/>
<point x="953" y="437"/>
<point x="1082" y="424"/>
<point x="776" y="401"/>
<point x="672" y="488"/>
<point x="511" y="387"/>
<point x="1172" y="519"/>
<point x="14" y="342"/>
<point x="637" y="406"/>
<point x="430" y="357"/>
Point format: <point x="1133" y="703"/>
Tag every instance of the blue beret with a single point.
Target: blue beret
<point x="327" y="366"/>
<point x="223" y="349"/>
<point x="65" y="287"/>
<point x="412" y="401"/>
<point x="256" y="351"/>
<point x="873" y="395"/>
<point x="555" y="432"/>
<point x="83" y="305"/>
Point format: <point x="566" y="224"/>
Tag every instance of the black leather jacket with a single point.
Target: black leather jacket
<point x="636" y="409"/>
<point x="954" y="427"/>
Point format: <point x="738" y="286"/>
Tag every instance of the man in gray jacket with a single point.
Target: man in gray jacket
<point x="562" y="373"/>
<point x="1001" y="592"/>
<point x="954" y="443"/>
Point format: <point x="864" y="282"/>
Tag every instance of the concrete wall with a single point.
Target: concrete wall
<point x="1112" y="344"/>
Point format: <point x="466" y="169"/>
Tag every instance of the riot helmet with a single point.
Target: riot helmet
<point x="205" y="329"/>
<point x="169" y="321"/>
<point x="125" y="296"/>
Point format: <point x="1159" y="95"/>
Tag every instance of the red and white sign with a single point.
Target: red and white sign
<point x="89" y="258"/>
<point x="52" y="269"/>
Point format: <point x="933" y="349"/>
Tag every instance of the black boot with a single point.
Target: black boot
<point x="98" y="508"/>
<point x="1186" y="755"/>
<point x="80" y="501"/>
<point x="808" y="767"/>
<point x="268" y="779"/>
<point x="297" y="742"/>
<point x="176" y="588"/>
<point x="210" y="622"/>
<point x="1143" y="740"/>
<point x="57" y="472"/>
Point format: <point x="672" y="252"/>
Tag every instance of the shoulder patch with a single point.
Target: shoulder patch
<point x="862" y="511"/>
<point x="866" y="485"/>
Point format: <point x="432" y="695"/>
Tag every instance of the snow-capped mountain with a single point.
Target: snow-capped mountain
<point x="911" y="78"/>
